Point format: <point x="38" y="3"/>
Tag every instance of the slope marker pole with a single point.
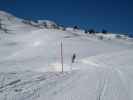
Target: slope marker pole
<point x="62" y="57"/>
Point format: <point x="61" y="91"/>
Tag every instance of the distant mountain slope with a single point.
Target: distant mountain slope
<point x="11" y="24"/>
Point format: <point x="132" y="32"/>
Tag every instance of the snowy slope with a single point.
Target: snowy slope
<point x="30" y="63"/>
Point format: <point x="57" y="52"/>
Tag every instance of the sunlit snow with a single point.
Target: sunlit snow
<point x="31" y="63"/>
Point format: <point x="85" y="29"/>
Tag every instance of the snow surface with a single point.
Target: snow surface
<point x="30" y="64"/>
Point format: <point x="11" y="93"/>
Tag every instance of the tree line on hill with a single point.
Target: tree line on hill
<point x="91" y="31"/>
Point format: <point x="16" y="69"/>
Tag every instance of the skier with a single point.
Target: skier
<point x="73" y="58"/>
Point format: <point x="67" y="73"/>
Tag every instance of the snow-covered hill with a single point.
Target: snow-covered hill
<point x="30" y="62"/>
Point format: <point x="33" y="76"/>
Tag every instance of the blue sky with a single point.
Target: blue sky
<point x="113" y="15"/>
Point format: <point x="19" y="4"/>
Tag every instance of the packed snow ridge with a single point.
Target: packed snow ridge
<point x="31" y="65"/>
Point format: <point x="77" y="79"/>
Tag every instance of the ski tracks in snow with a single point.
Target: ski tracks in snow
<point x="111" y="68"/>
